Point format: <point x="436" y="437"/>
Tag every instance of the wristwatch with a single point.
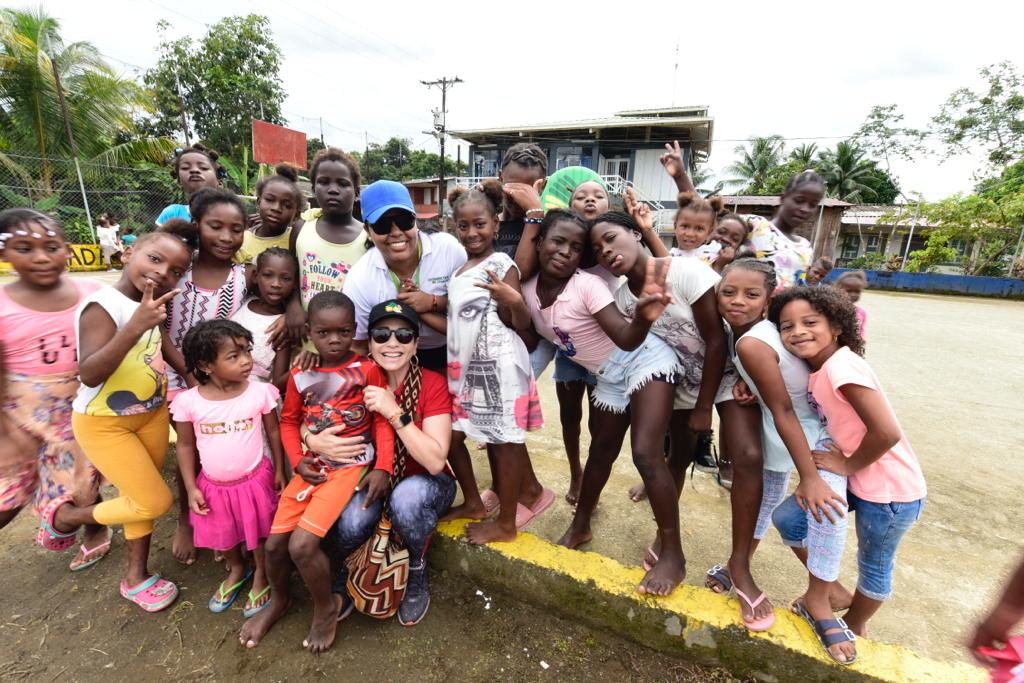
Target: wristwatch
<point x="404" y="420"/>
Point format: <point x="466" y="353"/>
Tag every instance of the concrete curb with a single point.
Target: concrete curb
<point x="693" y="622"/>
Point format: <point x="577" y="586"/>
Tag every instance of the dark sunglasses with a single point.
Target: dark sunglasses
<point x="381" y="335"/>
<point x="403" y="219"/>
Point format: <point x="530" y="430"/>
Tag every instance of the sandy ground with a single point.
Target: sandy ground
<point x="948" y="364"/>
<point x="951" y="368"/>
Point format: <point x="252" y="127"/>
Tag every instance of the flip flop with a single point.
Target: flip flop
<point x="91" y="556"/>
<point x="762" y="624"/>
<point x="721" y="575"/>
<point x="651" y="555"/>
<point x="223" y="599"/>
<point x="47" y="536"/>
<point x="826" y="639"/>
<point x="525" y="515"/>
<point x="248" y="612"/>
<point x="152" y="595"/>
<point x="347" y="606"/>
<point x="490" y="501"/>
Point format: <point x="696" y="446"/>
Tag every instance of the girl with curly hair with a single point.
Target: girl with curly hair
<point x="886" y="488"/>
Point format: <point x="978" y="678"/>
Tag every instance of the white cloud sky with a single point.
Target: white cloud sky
<point x="802" y="70"/>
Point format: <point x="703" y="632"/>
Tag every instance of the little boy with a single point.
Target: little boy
<point x="330" y="395"/>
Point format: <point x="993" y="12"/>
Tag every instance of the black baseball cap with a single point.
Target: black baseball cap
<point x="394" y="309"/>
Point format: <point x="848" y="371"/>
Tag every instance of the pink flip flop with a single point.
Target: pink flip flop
<point x="48" y="536"/>
<point x="525" y="515"/>
<point x="91" y="556"/>
<point x="650" y="555"/>
<point x="152" y="595"/>
<point x="490" y="501"/>
<point x="762" y="624"/>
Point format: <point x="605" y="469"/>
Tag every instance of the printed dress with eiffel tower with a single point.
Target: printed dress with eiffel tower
<point x="494" y="396"/>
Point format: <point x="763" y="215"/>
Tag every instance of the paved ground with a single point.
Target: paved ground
<point x="951" y="369"/>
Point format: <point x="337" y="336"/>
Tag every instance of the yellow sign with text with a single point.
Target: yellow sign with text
<point x="82" y="257"/>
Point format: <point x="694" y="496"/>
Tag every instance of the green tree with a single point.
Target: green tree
<point x="100" y="104"/>
<point x="758" y="159"/>
<point x="845" y="170"/>
<point x="885" y="187"/>
<point x="313" y="145"/>
<point x="883" y="136"/>
<point x="701" y="176"/>
<point x="805" y="154"/>
<point x="992" y="120"/>
<point x="936" y="252"/>
<point x="228" y="78"/>
<point x="396" y="160"/>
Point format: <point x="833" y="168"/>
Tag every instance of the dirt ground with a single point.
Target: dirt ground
<point x="952" y="369"/>
<point x="949" y="368"/>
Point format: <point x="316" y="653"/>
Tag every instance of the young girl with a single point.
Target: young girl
<point x="39" y="457"/>
<point x="730" y="231"/>
<point x="886" y="486"/>
<point x="853" y="283"/>
<point x="221" y="423"/>
<point x="575" y="311"/>
<point x="278" y="199"/>
<point x="212" y="288"/>
<point x="273" y="283"/>
<point x="193" y="169"/>
<point x="790" y="426"/>
<point x="120" y="415"/>
<point x="495" y="399"/>
<point x="330" y="244"/>
<point x="695" y="219"/>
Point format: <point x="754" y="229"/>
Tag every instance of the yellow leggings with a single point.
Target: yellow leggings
<point x="129" y="450"/>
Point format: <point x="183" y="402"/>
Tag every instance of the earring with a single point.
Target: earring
<point x="415" y="361"/>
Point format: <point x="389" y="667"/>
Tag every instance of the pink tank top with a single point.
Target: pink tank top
<point x="37" y="342"/>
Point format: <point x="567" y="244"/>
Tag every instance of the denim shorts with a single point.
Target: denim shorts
<point x="568" y="370"/>
<point x="775" y="485"/>
<point x="541" y="357"/>
<point x="880" y="528"/>
<point x="824" y="540"/>
<point x="625" y="372"/>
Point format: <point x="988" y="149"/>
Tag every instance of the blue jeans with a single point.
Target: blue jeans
<point x="568" y="370"/>
<point x="417" y="502"/>
<point x="880" y="528"/>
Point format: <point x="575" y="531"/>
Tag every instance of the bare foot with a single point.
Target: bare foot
<point x="637" y="493"/>
<point x="321" y="633"/>
<point x="183" y="548"/>
<point x="839" y="598"/>
<point x="466" y="511"/>
<point x="575" y="481"/>
<point x="573" y="538"/>
<point x="479" y="533"/>
<point x="664" y="576"/>
<point x="745" y="582"/>
<point x="254" y="629"/>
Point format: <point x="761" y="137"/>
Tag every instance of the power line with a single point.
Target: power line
<point x="440" y="116"/>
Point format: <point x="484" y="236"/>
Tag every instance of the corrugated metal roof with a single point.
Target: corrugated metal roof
<point x="772" y="200"/>
<point x="618" y="121"/>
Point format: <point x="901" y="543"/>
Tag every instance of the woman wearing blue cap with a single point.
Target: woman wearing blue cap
<point x="406" y="264"/>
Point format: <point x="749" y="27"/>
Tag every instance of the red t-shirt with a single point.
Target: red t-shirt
<point x="434" y="400"/>
<point x="335" y="396"/>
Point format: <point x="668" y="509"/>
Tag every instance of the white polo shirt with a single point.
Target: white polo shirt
<point x="370" y="282"/>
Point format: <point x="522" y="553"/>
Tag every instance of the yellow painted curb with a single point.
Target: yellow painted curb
<point x="698" y="608"/>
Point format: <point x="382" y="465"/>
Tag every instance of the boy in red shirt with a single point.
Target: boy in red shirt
<point x="330" y="395"/>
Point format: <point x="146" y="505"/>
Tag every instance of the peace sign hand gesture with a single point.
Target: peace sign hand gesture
<point x="654" y="297"/>
<point x="151" y="312"/>
<point x="503" y="293"/>
<point x="672" y="159"/>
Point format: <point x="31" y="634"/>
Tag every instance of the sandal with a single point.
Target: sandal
<point x="48" y="536"/>
<point x="490" y="500"/>
<point x="91" y="556"/>
<point x="223" y="599"/>
<point x="152" y="595"/>
<point x="762" y="624"/>
<point x="821" y="630"/>
<point x="721" y="575"/>
<point x="251" y="611"/>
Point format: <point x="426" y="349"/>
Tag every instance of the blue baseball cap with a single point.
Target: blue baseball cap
<point x="378" y="197"/>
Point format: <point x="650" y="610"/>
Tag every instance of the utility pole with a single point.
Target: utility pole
<point x="439" y="132"/>
<point x="322" y="132"/>
<point x="366" y="153"/>
<point x="181" y="110"/>
<point x="71" y="142"/>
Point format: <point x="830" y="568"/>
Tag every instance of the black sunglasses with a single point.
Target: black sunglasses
<point x="381" y="335"/>
<point x="403" y="219"/>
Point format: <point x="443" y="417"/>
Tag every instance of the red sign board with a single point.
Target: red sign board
<point x="273" y="144"/>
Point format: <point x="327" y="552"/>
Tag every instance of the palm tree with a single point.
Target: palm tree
<point x="804" y="154"/>
<point x="845" y="171"/>
<point x="701" y="177"/>
<point x="754" y="168"/>
<point x="100" y="103"/>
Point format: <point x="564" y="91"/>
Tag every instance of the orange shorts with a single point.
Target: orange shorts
<point x="321" y="507"/>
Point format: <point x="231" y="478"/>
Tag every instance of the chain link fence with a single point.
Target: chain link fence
<point x="133" y="197"/>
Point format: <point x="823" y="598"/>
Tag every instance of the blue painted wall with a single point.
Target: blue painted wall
<point x="935" y="283"/>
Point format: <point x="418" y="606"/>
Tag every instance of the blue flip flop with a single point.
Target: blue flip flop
<point x="223" y="599"/>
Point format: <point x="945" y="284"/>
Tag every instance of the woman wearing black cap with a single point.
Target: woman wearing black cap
<point x="418" y="406"/>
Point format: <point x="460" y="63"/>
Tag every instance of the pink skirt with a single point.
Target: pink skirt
<point x="240" y="511"/>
